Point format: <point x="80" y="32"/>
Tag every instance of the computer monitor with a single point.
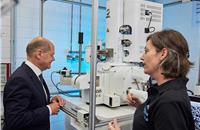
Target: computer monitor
<point x="195" y="103"/>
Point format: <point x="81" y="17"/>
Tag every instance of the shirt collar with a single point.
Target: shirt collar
<point x="35" y="69"/>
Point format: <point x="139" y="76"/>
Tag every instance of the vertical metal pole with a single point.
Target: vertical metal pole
<point x="80" y="44"/>
<point x="12" y="38"/>
<point x="199" y="72"/>
<point x="80" y="58"/>
<point x="71" y="29"/>
<point x="80" y="18"/>
<point x="41" y="18"/>
<point x="92" y="108"/>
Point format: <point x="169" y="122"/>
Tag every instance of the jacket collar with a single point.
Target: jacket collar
<point x="174" y="84"/>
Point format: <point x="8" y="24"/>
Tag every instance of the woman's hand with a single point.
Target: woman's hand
<point x="133" y="100"/>
<point x="113" y="125"/>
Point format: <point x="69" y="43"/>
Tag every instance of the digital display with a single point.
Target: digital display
<point x="195" y="103"/>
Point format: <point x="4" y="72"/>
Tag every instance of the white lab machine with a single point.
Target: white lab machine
<point x="119" y="71"/>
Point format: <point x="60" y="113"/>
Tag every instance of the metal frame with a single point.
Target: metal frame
<point x="12" y="38"/>
<point x="79" y="3"/>
<point x="199" y="73"/>
<point x="41" y="17"/>
<point x="92" y="107"/>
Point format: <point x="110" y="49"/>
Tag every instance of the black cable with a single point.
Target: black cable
<point x="190" y="91"/>
<point x="149" y="29"/>
<point x="150" y="23"/>
<point x="60" y="91"/>
<point x="150" y="18"/>
<point x="136" y="82"/>
<point x="76" y="79"/>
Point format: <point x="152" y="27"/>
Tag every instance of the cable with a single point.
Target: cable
<point x="76" y="79"/>
<point x="190" y="91"/>
<point x="136" y="82"/>
<point x="150" y="19"/>
<point x="60" y="91"/>
<point x="149" y="29"/>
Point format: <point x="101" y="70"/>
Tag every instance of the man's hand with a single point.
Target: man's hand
<point x="59" y="100"/>
<point x="54" y="107"/>
<point x="113" y="125"/>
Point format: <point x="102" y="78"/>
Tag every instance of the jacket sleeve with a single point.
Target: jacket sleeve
<point x="17" y="101"/>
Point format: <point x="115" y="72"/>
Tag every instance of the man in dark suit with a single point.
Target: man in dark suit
<point x="26" y="99"/>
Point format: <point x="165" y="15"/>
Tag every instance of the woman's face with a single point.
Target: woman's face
<point x="151" y="59"/>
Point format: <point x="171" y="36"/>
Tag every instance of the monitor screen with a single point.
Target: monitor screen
<point x="195" y="103"/>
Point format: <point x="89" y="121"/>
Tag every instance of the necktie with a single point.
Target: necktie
<point x="43" y="85"/>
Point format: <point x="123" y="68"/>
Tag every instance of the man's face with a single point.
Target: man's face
<point x="47" y="58"/>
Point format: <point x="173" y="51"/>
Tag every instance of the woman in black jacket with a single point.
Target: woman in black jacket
<point x="165" y="59"/>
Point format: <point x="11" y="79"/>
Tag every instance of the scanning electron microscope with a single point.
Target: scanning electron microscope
<point x="119" y="69"/>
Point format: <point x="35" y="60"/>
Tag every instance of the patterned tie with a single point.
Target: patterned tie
<point x="43" y="85"/>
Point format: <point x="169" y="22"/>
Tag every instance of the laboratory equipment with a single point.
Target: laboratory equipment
<point x="119" y="69"/>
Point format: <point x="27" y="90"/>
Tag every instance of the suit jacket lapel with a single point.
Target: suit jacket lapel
<point x="37" y="83"/>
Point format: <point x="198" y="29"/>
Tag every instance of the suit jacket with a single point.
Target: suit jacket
<point x="25" y="101"/>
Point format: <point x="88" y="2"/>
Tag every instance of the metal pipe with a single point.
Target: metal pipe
<point x="80" y="18"/>
<point x="93" y="68"/>
<point x="199" y="72"/>
<point x="80" y="58"/>
<point x="80" y="44"/>
<point x="41" y="17"/>
<point x="79" y="3"/>
<point x="71" y="29"/>
<point x="12" y="39"/>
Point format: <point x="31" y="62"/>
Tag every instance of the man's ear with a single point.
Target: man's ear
<point x="38" y="54"/>
<point x="164" y="52"/>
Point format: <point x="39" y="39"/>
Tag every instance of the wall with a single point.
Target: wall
<point x="62" y="22"/>
<point x="183" y="17"/>
<point x="26" y="27"/>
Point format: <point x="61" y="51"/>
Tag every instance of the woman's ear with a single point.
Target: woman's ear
<point x="164" y="53"/>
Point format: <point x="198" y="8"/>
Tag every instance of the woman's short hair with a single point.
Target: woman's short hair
<point x="176" y="64"/>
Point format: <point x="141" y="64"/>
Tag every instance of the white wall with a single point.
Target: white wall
<point x="27" y="27"/>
